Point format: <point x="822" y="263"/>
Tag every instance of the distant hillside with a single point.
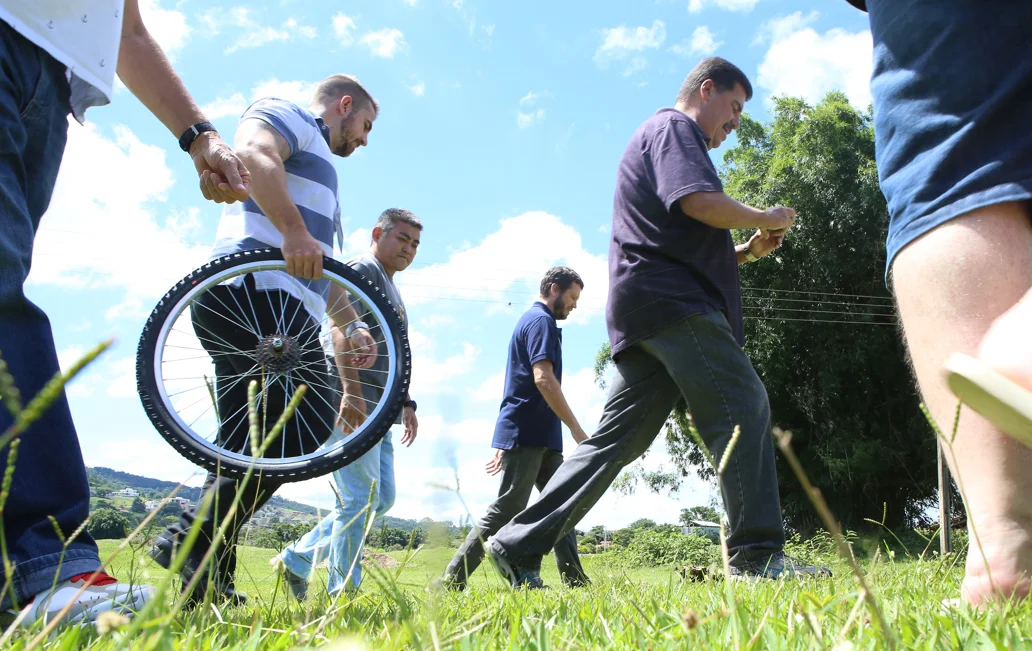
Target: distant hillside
<point x="108" y="480"/>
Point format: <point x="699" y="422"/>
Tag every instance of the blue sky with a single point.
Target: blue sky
<point x="501" y="126"/>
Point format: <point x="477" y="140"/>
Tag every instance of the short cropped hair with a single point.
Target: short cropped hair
<point x="393" y="216"/>
<point x="723" y="73"/>
<point x="336" y="86"/>
<point x="561" y="276"/>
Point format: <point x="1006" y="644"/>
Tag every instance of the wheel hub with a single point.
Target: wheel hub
<point x="278" y="353"/>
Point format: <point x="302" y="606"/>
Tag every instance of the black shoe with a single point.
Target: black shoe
<point x="778" y="566"/>
<point x="582" y="582"/>
<point x="161" y="551"/>
<point x="518" y="576"/>
<point x="226" y="595"/>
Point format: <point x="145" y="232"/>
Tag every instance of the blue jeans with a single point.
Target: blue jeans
<point x="49" y="477"/>
<point x="333" y="538"/>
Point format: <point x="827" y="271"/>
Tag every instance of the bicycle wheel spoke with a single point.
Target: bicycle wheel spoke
<point x="187" y="354"/>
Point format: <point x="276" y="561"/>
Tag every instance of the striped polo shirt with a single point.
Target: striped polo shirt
<point x="311" y="183"/>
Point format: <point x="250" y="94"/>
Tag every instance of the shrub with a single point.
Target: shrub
<point x="652" y="547"/>
<point x="108" y="523"/>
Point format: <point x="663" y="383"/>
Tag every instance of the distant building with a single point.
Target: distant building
<point x="702" y="528"/>
<point x="183" y="503"/>
<point x="126" y="492"/>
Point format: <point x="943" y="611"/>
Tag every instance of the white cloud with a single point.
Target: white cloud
<point x="430" y="375"/>
<point x="221" y="107"/>
<point x="491" y="389"/>
<point x="412" y="3"/>
<point x="524" y="120"/>
<point x="741" y="6"/>
<point x="418" y="89"/>
<point x="385" y="42"/>
<point x="702" y="42"/>
<point x="802" y="63"/>
<point x="620" y="42"/>
<point x="517" y="254"/>
<point x="113" y="230"/>
<point x="167" y="26"/>
<point x="299" y="92"/>
<point x="343" y="28"/>
<point x="532" y="97"/>
<point x="252" y="33"/>
<point x="69" y="356"/>
<point x="122" y="372"/>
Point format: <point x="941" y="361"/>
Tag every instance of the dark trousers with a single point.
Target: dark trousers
<point x="699" y="359"/>
<point x="49" y="477"/>
<point x="522" y="470"/>
<point x="228" y="321"/>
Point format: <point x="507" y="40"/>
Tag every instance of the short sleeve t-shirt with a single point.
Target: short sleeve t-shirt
<point x="374" y="378"/>
<point x="665" y="266"/>
<point x="525" y="419"/>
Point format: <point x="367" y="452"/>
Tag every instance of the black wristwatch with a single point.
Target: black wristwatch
<point x="411" y="403"/>
<point x="191" y="134"/>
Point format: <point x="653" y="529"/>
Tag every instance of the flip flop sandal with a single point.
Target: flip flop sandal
<point x="1002" y="401"/>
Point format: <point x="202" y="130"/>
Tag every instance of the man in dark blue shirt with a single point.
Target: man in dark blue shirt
<point x="674" y="317"/>
<point x="528" y="434"/>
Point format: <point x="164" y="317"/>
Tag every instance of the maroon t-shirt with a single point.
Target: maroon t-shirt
<point x="665" y="266"/>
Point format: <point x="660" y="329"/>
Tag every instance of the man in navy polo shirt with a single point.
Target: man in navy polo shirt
<point x="674" y="317"/>
<point x="528" y="435"/>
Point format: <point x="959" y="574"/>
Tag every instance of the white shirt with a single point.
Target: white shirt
<point x="82" y="34"/>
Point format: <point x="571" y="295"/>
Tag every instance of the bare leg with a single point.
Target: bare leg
<point x="952" y="284"/>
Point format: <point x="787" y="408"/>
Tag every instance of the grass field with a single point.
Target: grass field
<point x="624" y="609"/>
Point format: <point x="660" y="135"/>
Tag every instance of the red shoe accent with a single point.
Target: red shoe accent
<point x="99" y="578"/>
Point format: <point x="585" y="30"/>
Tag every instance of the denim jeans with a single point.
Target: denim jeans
<point x="333" y="538"/>
<point x="49" y="477"/>
<point x="699" y="359"/>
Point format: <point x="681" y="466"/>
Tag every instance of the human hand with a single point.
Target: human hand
<point x="494" y="466"/>
<point x="363" y="349"/>
<point x="303" y="255"/>
<point x="779" y="218"/>
<point x="223" y="177"/>
<point x="764" y="242"/>
<point x="351" y="414"/>
<point x="411" y="426"/>
<point x="578" y="435"/>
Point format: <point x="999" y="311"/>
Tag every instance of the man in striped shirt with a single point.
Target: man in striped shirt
<point x="293" y="207"/>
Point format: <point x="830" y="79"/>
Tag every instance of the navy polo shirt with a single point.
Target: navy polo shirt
<point x="525" y="419"/>
<point x="665" y="266"/>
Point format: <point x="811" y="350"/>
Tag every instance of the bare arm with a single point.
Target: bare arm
<point x="718" y="210"/>
<point x="263" y="150"/>
<point x="548" y="385"/>
<point x="146" y="72"/>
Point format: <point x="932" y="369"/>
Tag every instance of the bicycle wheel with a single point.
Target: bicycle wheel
<point x="241" y="317"/>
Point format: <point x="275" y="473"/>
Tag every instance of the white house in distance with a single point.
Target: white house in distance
<point x="183" y="503"/>
<point x="702" y="528"/>
<point x="127" y="492"/>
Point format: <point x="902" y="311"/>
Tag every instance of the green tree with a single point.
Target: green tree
<point x="108" y="523"/>
<point x="138" y="506"/>
<point x="820" y="326"/>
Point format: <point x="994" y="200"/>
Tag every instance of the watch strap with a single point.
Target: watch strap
<point x="192" y="132"/>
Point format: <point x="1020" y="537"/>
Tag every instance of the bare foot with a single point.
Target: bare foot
<point x="1002" y="572"/>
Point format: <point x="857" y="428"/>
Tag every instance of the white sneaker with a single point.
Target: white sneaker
<point x="103" y="594"/>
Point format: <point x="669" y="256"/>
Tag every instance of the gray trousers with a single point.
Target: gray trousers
<point x="522" y="470"/>
<point x="699" y="359"/>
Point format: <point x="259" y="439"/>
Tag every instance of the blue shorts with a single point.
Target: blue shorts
<point x="952" y="90"/>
